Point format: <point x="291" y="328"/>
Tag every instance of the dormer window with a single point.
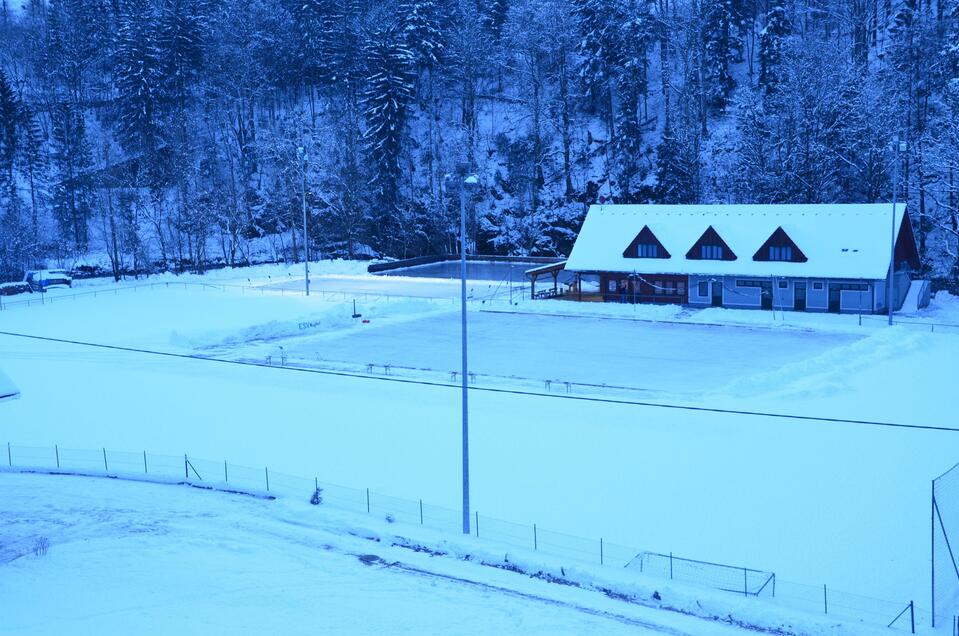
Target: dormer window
<point x="645" y="245"/>
<point x="780" y="247"/>
<point x="647" y="250"/>
<point x="780" y="253"/>
<point x="710" y="247"/>
<point x="711" y="252"/>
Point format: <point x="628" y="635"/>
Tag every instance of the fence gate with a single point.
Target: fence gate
<point x="945" y="545"/>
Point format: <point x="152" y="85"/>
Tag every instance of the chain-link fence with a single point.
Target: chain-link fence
<point x="500" y="295"/>
<point x="744" y="581"/>
<point x="945" y="546"/>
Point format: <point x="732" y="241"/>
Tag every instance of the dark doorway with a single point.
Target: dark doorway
<point x="835" y="292"/>
<point x="800" y="299"/>
<point x="767" y="296"/>
<point x="717" y="294"/>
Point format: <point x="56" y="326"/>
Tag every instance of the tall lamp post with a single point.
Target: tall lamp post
<point x="468" y="183"/>
<point x="898" y="147"/>
<point x="301" y="153"/>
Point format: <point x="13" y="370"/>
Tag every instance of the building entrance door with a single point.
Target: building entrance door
<point x="800" y="298"/>
<point x="717" y="294"/>
<point x="834" y="298"/>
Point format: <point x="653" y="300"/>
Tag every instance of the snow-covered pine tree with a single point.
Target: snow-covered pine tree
<point x="72" y="196"/>
<point x="600" y="50"/>
<point x="138" y="80"/>
<point x="10" y="128"/>
<point x="633" y="86"/>
<point x="386" y="98"/>
<point x="675" y="170"/>
<point x="494" y="17"/>
<point x="771" y="43"/>
<point x="718" y="44"/>
<point x="316" y="23"/>
<point x="34" y="168"/>
<point x="421" y="22"/>
<point x="180" y="41"/>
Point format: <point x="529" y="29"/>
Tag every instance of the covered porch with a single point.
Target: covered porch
<point x="551" y="270"/>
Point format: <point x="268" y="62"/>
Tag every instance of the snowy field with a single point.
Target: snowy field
<point x="816" y="502"/>
<point x="179" y="560"/>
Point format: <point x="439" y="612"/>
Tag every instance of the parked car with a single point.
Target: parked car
<point x="11" y="289"/>
<point x="43" y="279"/>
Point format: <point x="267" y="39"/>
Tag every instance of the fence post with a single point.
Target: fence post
<point x="825" y="600"/>
<point x="421" y="512"/>
<point x="9" y="456"/>
<point x="535" y="538"/>
<point x="670" y="565"/>
<point x="186" y="467"/>
<point x="105" y="467"/>
<point x="145" y="471"/>
<point x="912" y="616"/>
<point x="367" y="501"/>
<point x="601" y="551"/>
<point x="477" y="524"/>
<point x="774" y="585"/>
<point x="266" y="471"/>
<point x="226" y="474"/>
<point x="56" y="451"/>
<point x="745" y="583"/>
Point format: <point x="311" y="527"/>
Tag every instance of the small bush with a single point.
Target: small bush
<point x="317" y="497"/>
<point x="40" y="546"/>
<point x="390" y="519"/>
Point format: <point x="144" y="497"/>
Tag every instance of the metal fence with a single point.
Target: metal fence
<point x="945" y="545"/>
<point x="915" y="325"/>
<point x="744" y="581"/>
<point x="512" y="294"/>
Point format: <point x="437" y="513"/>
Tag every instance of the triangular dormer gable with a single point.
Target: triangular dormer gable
<point x="645" y="245"/>
<point x="906" y="251"/>
<point x="710" y="247"/>
<point x="779" y="247"/>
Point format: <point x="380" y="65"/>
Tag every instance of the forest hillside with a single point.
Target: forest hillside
<point x="172" y="134"/>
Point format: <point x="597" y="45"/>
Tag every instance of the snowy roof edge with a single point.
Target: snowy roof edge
<point x="850" y="241"/>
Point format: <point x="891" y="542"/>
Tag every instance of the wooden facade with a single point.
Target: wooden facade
<point x="668" y="289"/>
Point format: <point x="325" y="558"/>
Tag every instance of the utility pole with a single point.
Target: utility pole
<point x="898" y="147"/>
<point x="301" y="153"/>
<point x="467" y="182"/>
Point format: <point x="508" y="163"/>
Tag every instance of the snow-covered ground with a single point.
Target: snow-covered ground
<point x="158" y="559"/>
<point x="815" y="502"/>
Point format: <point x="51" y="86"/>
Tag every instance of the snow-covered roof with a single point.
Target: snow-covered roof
<point x="7" y="389"/>
<point x="839" y="241"/>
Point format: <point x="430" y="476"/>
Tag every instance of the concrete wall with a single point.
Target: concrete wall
<point x="900" y="287"/>
<point x="742" y="297"/>
<point x="695" y="299"/>
<point x="784" y="297"/>
<point x="851" y="301"/>
<point x="817" y="299"/>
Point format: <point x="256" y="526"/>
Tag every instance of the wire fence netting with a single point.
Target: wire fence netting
<point x="744" y="581"/>
<point x="945" y="546"/>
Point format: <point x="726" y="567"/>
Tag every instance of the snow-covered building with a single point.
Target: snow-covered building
<point x="832" y="258"/>
<point x="7" y="389"/>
